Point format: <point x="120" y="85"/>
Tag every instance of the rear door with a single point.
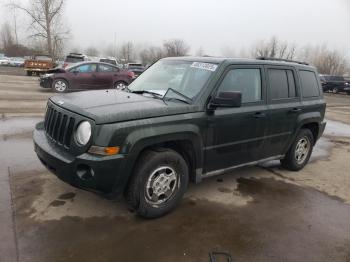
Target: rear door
<point x="105" y="75"/>
<point x="236" y="135"/>
<point x="284" y="107"/>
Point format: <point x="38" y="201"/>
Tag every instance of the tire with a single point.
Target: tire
<point x="294" y="160"/>
<point x="60" y="86"/>
<point x="335" y="90"/>
<point x="155" y="171"/>
<point x="120" y="85"/>
<point x="29" y="73"/>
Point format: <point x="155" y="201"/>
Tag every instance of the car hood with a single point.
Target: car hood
<point x="109" y="106"/>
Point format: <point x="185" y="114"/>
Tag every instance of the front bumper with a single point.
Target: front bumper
<point x="45" y="82"/>
<point x="94" y="173"/>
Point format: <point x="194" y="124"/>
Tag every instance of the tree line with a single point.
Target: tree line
<point x="47" y="33"/>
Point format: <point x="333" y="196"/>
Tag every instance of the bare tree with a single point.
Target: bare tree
<point x="110" y="50"/>
<point x="176" y="47"/>
<point x="151" y="54"/>
<point x="91" y="51"/>
<point x="274" y="48"/>
<point x="46" y="22"/>
<point x="127" y="52"/>
<point x="6" y="36"/>
<point x="200" y="51"/>
<point x="327" y="61"/>
<point x="13" y="11"/>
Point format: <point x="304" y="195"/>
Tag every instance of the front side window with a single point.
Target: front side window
<point x="245" y="80"/>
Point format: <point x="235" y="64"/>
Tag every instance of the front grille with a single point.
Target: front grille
<point x="59" y="126"/>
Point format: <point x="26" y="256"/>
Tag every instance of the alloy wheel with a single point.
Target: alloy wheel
<point x="161" y="185"/>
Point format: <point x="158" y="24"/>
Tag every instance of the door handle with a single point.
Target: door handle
<point x="259" y="115"/>
<point x="295" y="110"/>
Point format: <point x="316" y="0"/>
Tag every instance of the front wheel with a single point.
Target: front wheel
<point x="60" y="86"/>
<point x="158" y="183"/>
<point x="299" y="153"/>
<point x="120" y="85"/>
<point x="335" y="90"/>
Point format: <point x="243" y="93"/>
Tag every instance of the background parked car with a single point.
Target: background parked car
<point x="38" y="64"/>
<point x="16" y="61"/>
<point x="137" y="68"/>
<point x="111" y="61"/>
<point x="334" y="84"/>
<point x="4" y="61"/>
<point x="74" y="58"/>
<point x="85" y="76"/>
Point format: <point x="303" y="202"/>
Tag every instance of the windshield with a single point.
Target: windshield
<point x="185" y="77"/>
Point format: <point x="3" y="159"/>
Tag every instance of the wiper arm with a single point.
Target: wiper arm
<point x="178" y="99"/>
<point x="146" y="92"/>
<point x="187" y="99"/>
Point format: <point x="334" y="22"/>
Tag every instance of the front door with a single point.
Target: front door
<point x="236" y="135"/>
<point x="84" y="76"/>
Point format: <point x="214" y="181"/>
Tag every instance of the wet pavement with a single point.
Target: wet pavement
<point x="260" y="213"/>
<point x="256" y="214"/>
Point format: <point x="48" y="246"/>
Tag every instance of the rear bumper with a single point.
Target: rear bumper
<point x="85" y="171"/>
<point x="321" y="129"/>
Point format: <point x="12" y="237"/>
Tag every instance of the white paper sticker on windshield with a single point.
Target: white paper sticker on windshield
<point x="206" y="66"/>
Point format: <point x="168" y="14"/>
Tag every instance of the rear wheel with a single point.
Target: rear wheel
<point x="158" y="183"/>
<point x="120" y="85"/>
<point x="60" y="85"/>
<point x="29" y="73"/>
<point x="299" y="153"/>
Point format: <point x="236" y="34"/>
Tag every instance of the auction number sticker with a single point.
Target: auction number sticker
<point x="205" y="66"/>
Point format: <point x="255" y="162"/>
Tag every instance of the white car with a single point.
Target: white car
<point x="16" y="61"/>
<point x="4" y="61"/>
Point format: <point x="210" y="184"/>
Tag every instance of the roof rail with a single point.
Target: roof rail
<point x="281" y="60"/>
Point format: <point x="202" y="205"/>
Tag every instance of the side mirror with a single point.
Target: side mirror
<point x="226" y="99"/>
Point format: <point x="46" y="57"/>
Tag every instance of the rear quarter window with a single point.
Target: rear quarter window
<point x="309" y="84"/>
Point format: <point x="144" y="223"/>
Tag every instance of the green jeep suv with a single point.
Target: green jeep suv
<point x="183" y="119"/>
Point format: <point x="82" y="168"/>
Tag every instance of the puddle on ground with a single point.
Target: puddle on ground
<point x="282" y="222"/>
<point x="334" y="128"/>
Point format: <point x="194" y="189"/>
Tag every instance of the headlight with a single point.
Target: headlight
<point x="47" y="75"/>
<point x="83" y="133"/>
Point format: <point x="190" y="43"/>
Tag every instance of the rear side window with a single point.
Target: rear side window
<point x="282" y="84"/>
<point x="106" y="68"/>
<point x="309" y="83"/>
<point x="247" y="81"/>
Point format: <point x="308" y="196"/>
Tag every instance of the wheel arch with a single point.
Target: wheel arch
<point x="188" y="144"/>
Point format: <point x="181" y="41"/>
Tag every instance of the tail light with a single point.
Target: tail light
<point x="131" y="74"/>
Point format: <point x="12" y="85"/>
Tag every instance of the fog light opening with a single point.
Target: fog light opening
<point x="85" y="172"/>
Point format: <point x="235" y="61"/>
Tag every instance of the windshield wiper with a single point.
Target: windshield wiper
<point x="187" y="100"/>
<point x="147" y="92"/>
<point x="178" y="99"/>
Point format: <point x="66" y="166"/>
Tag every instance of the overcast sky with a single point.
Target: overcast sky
<point x="209" y="24"/>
